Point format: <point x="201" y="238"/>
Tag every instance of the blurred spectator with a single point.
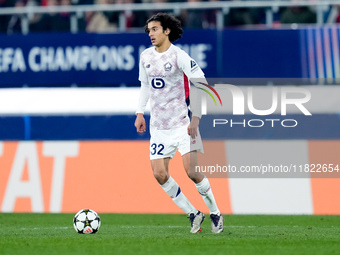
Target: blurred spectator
<point x="199" y="18"/>
<point x="152" y="12"/>
<point x="133" y="19"/>
<point x="14" y="23"/>
<point x="298" y="14"/>
<point x="62" y="21"/>
<point x="56" y="21"/>
<point x="337" y="19"/>
<point x="44" y="23"/>
<point x="210" y="17"/>
<point x="193" y="18"/>
<point x="84" y="2"/>
<point x="333" y="15"/>
<point x="242" y="16"/>
<point x="33" y="18"/>
<point x="5" y="18"/>
<point x="99" y="21"/>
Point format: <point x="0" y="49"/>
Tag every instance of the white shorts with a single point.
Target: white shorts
<point x="164" y="143"/>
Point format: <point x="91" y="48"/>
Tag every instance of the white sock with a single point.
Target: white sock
<point x="173" y="190"/>
<point x="205" y="190"/>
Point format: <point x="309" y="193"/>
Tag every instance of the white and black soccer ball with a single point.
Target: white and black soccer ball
<point x="86" y="221"/>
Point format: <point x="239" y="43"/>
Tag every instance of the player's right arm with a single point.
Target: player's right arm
<point x="143" y="99"/>
<point x="140" y="123"/>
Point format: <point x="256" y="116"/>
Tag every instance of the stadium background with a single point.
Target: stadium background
<point x="67" y="114"/>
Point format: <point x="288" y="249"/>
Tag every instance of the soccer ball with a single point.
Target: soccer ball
<point x="86" y="221"/>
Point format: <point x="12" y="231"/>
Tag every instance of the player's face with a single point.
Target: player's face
<point x="157" y="35"/>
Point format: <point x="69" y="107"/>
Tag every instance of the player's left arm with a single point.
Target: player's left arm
<point x="193" y="126"/>
<point x="192" y="70"/>
<point x="196" y="110"/>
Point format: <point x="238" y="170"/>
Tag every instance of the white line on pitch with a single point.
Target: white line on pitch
<point x="45" y="228"/>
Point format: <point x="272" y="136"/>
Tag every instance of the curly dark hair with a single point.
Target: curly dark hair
<point x="167" y="21"/>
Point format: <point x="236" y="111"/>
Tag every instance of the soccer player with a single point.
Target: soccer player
<point x="164" y="70"/>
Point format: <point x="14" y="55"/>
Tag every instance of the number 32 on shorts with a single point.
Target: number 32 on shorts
<point x="156" y="149"/>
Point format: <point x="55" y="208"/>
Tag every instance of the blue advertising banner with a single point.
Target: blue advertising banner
<point x="261" y="54"/>
<point x="64" y="59"/>
<point x="92" y="59"/>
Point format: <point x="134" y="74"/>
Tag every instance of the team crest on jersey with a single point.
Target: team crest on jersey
<point x="167" y="66"/>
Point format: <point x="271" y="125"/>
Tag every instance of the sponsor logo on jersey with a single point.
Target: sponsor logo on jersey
<point x="194" y="66"/>
<point x="193" y="63"/>
<point x="167" y="66"/>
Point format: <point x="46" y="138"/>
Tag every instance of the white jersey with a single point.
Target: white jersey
<point x="165" y="78"/>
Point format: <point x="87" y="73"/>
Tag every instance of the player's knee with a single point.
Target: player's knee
<point x="161" y="176"/>
<point x="190" y="174"/>
<point x="196" y="177"/>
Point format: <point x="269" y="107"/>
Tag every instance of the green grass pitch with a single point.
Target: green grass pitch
<point x="37" y="234"/>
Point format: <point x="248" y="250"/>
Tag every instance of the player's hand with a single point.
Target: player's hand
<point x="192" y="128"/>
<point x="140" y="123"/>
